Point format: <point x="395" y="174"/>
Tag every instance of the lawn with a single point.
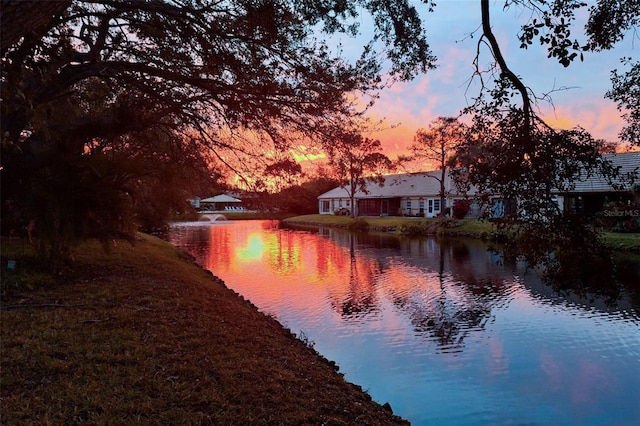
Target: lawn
<point x="395" y="223"/>
<point x="623" y="241"/>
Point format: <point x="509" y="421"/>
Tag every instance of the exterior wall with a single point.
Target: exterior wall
<point x="428" y="206"/>
<point x="413" y="206"/>
<point x="416" y="194"/>
<point x="378" y="206"/>
<point x="332" y="205"/>
<point x="434" y="207"/>
<point x="324" y="207"/>
<point x="590" y="204"/>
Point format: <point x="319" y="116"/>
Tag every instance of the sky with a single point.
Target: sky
<point x="446" y="90"/>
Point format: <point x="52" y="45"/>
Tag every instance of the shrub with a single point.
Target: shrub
<point x="447" y="222"/>
<point x="414" y="228"/>
<point x="461" y="208"/>
<point x="359" y="224"/>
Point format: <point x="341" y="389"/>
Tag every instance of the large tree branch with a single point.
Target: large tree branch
<point x="505" y="71"/>
<point x="20" y="18"/>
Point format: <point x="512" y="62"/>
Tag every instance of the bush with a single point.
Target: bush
<point x="461" y="208"/>
<point x="359" y="224"/>
<point x="414" y="228"/>
<point x="631" y="225"/>
<point x="447" y="222"/>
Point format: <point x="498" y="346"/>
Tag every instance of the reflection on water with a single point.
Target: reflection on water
<point x="443" y="330"/>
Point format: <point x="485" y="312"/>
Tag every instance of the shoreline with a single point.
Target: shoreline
<point x="142" y="334"/>
<point x="467" y="228"/>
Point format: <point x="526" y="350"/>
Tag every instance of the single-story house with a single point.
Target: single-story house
<point x="590" y="193"/>
<point x="409" y="194"/>
<point x="417" y="194"/>
<point x="221" y="202"/>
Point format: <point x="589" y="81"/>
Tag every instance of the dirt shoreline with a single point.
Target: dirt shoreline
<point x="143" y="335"/>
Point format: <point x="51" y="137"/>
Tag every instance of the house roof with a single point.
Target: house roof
<point x="627" y="162"/>
<point x="399" y="185"/>
<point x="222" y="198"/>
<point x="426" y="184"/>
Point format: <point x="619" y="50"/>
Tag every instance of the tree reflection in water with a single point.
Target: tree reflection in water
<point x="445" y="301"/>
<point x="463" y="302"/>
<point x="360" y="299"/>
<point x="446" y="288"/>
<point x="455" y="283"/>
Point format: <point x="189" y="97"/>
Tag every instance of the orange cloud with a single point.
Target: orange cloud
<point x="599" y="117"/>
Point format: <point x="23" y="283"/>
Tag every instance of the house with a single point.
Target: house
<point x="417" y="194"/>
<point x="410" y="194"/>
<point x="590" y="193"/>
<point x="221" y="202"/>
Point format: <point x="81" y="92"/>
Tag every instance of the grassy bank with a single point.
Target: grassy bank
<point x="623" y="242"/>
<point x="466" y="227"/>
<point x="142" y="335"/>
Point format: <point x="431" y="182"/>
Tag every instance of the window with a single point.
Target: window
<point x="325" y="206"/>
<point x="340" y="203"/>
<point x="409" y="204"/>
<point x="436" y="205"/>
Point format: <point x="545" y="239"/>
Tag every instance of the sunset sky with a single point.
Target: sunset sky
<point x="441" y="92"/>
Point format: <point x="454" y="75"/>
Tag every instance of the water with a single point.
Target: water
<point x="447" y="333"/>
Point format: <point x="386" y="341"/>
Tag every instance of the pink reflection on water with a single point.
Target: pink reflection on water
<point x="295" y="270"/>
<point x="442" y="317"/>
<point x="589" y="383"/>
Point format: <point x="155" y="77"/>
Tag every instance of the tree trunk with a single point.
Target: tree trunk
<point x="442" y="190"/>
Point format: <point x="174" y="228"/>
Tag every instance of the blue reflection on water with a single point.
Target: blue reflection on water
<point x="444" y="331"/>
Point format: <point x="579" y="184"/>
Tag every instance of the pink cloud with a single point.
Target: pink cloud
<point x="599" y="117"/>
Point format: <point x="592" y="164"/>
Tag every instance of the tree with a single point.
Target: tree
<point x="27" y="18"/>
<point x="626" y="93"/>
<point x="438" y="145"/>
<point x="513" y="153"/>
<point x="359" y="162"/>
<point x="303" y="198"/>
<point x="283" y="173"/>
<point x="110" y="72"/>
<point x="608" y="23"/>
<point x="233" y="68"/>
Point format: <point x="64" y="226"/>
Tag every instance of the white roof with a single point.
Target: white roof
<point x="627" y="162"/>
<point x="424" y="184"/>
<point x="222" y="198"/>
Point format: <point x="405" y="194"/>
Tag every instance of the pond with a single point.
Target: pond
<point x="447" y="332"/>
